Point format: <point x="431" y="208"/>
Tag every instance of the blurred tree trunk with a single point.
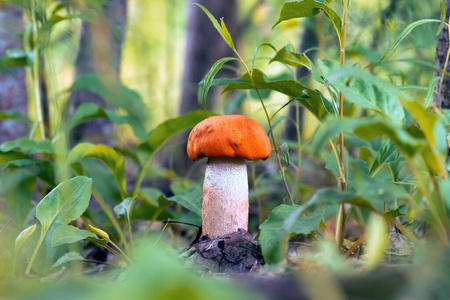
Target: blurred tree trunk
<point x="13" y="93"/>
<point x="308" y="40"/>
<point x="204" y="46"/>
<point x="441" y="55"/>
<point x="99" y="51"/>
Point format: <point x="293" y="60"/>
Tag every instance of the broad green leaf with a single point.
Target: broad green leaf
<point x="309" y="8"/>
<point x="215" y="24"/>
<point x="68" y="234"/>
<point x="210" y="76"/>
<point x="311" y="99"/>
<point x="64" y="203"/>
<point x="274" y="231"/>
<point x="124" y="208"/>
<point x="192" y="201"/>
<point x="405" y="32"/>
<point x="430" y="91"/>
<point x="291" y="58"/>
<point x="13" y="115"/>
<point x="364" y="89"/>
<point x="8" y="157"/>
<point x="23" y="237"/>
<point x="367" y="129"/>
<point x="90" y="111"/>
<point x="42" y="169"/>
<point x="107" y="155"/>
<point x="17" y="188"/>
<point x="112" y="90"/>
<point x="256" y="52"/>
<point x="387" y="153"/>
<point x="68" y="257"/>
<point x="150" y="195"/>
<point x="158" y="136"/>
<point x="28" y="146"/>
<point x="145" y="211"/>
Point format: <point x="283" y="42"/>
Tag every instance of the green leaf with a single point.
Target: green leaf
<point x="28" y="146"/>
<point x="158" y="136"/>
<point x="192" y="201"/>
<point x="367" y="129"/>
<point x="215" y="24"/>
<point x="310" y="8"/>
<point x="68" y="234"/>
<point x="285" y="150"/>
<point x="226" y="34"/>
<point x="90" y="111"/>
<point x="113" y="91"/>
<point x="274" y="231"/>
<point x="291" y="58"/>
<point x="405" y="32"/>
<point x="107" y="155"/>
<point x="210" y="76"/>
<point x="400" y="211"/>
<point x="124" y="208"/>
<point x="256" y="52"/>
<point x="13" y="115"/>
<point x="311" y="99"/>
<point x="430" y="91"/>
<point x="364" y="89"/>
<point x="68" y="257"/>
<point x="22" y="238"/>
<point x="64" y="203"/>
<point x="387" y="153"/>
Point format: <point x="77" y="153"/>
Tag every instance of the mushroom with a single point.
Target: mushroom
<point x="227" y="141"/>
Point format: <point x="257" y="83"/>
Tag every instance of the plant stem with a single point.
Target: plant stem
<point x="270" y="126"/>
<point x="299" y="152"/>
<point x="258" y="198"/>
<point x="36" y="250"/>
<point x="341" y="214"/>
<point x="111" y="217"/>
<point x="37" y="91"/>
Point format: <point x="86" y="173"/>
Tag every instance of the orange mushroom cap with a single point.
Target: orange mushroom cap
<point x="228" y="136"/>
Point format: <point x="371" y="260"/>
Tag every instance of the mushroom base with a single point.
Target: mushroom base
<point x="225" y="196"/>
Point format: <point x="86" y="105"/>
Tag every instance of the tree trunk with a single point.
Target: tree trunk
<point x="100" y="51"/>
<point x="204" y="46"/>
<point x="441" y="53"/>
<point x="13" y="94"/>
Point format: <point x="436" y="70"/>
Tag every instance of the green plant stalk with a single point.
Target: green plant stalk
<point x="142" y="174"/>
<point x="340" y="225"/>
<point x="121" y="252"/>
<point x="270" y="126"/>
<point x="37" y="91"/>
<point x="152" y="221"/>
<point x="36" y="250"/>
<point x="110" y="215"/>
<point x="299" y="152"/>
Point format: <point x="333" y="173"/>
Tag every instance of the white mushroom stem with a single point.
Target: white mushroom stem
<point x="225" y="196"/>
